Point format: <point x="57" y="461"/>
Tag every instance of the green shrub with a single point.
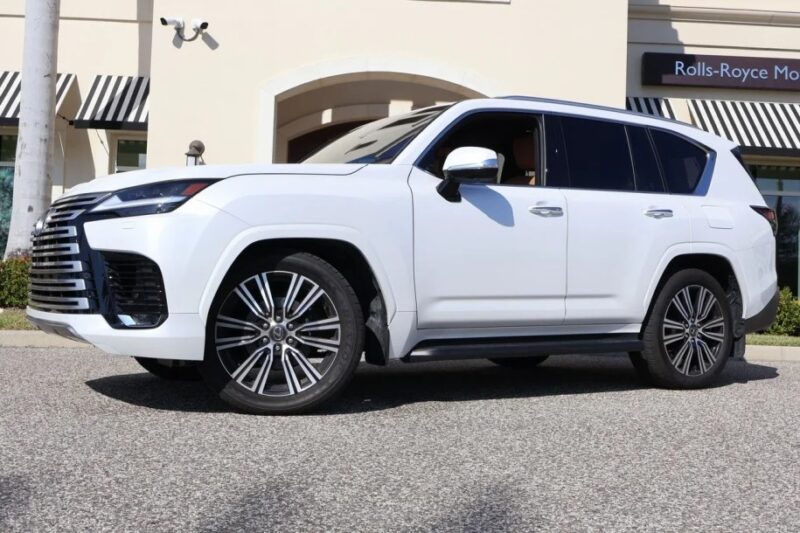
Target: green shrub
<point x="14" y="282"/>
<point x="788" y="320"/>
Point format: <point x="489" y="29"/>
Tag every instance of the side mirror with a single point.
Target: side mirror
<point x="468" y="164"/>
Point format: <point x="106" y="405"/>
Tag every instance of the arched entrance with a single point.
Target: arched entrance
<point x="309" y="118"/>
<point x="331" y="98"/>
<point x="303" y="146"/>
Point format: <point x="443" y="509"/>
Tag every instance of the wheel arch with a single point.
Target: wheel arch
<point x="718" y="265"/>
<point x="347" y="258"/>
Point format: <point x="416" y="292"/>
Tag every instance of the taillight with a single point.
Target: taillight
<point x="770" y="215"/>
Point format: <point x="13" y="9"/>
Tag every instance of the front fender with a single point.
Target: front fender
<point x="301" y="231"/>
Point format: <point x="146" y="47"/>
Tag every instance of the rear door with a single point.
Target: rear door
<point x="621" y="219"/>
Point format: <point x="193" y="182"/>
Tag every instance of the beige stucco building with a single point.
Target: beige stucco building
<point x="271" y="80"/>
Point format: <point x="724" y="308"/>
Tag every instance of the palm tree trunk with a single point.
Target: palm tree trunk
<point x="32" y="180"/>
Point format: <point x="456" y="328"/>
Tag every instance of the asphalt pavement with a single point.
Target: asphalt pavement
<point x="90" y="442"/>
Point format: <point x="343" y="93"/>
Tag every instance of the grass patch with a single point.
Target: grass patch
<point x="773" y="340"/>
<point x="14" y="319"/>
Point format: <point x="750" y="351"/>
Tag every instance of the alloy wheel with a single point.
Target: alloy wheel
<point x="277" y="333"/>
<point x="693" y="330"/>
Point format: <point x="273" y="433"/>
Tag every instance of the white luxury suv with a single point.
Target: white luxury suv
<point x="509" y="229"/>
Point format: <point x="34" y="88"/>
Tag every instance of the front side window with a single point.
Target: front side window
<point x="597" y="155"/>
<point x="515" y="137"/>
<point x="556" y="173"/>
<point x="682" y="162"/>
<point x="131" y="155"/>
<point x="378" y="142"/>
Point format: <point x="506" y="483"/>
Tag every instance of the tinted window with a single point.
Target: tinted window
<point x="648" y="176"/>
<point x="377" y="142"/>
<point x="681" y="161"/>
<point x="556" y="173"/>
<point x="597" y="154"/>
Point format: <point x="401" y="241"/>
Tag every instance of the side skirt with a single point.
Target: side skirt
<point x="453" y="349"/>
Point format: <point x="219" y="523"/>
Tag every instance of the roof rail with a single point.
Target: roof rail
<point x="587" y="106"/>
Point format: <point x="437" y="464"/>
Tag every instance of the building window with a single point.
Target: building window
<point x="131" y="154"/>
<point x="780" y="186"/>
<point x="8" y="151"/>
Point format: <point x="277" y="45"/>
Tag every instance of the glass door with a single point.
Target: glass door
<point x="780" y="186"/>
<point x="8" y="150"/>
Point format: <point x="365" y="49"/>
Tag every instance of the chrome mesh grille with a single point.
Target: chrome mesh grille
<point x="61" y="279"/>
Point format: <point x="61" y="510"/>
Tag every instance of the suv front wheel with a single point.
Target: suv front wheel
<point x="284" y="335"/>
<point x="689" y="333"/>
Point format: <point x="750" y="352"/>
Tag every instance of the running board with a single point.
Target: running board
<point x="451" y="349"/>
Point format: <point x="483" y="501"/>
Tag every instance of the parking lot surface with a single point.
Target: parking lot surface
<point x="91" y="442"/>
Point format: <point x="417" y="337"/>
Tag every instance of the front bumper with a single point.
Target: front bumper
<point x="186" y="245"/>
<point x="179" y="337"/>
<point x="764" y="318"/>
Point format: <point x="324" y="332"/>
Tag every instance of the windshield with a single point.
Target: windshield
<point x="377" y="142"/>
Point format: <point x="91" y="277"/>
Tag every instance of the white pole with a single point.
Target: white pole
<point x="32" y="180"/>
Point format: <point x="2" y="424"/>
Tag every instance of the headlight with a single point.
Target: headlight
<point x="153" y="198"/>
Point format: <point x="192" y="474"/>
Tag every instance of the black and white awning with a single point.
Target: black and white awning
<point x="10" y="95"/>
<point x="659" y="107"/>
<point x="115" y="103"/>
<point x="750" y="124"/>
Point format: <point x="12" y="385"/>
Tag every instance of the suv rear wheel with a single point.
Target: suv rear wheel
<point x="284" y="335"/>
<point x="689" y="334"/>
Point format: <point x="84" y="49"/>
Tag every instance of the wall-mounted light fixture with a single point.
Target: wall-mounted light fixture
<point x="194" y="156"/>
<point x="198" y="27"/>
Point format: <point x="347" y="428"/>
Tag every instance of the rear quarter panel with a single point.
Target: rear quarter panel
<point x="724" y="223"/>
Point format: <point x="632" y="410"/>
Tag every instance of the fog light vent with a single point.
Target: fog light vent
<point x="135" y="291"/>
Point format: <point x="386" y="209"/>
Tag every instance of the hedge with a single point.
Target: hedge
<point x="14" y="282"/>
<point x="788" y="320"/>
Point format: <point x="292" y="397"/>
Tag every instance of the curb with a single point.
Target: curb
<point x="40" y="339"/>
<point x="773" y="353"/>
<point x="36" y="339"/>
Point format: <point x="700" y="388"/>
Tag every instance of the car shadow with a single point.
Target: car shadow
<point x="379" y="388"/>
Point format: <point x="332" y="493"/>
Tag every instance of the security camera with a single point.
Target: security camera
<point x="172" y="21"/>
<point x="199" y="25"/>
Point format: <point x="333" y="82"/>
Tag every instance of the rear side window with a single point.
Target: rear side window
<point x="681" y="161"/>
<point x="597" y="155"/>
<point x="737" y="153"/>
<point x="648" y="176"/>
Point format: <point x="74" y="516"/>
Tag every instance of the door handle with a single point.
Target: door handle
<point x="658" y="213"/>
<point x="546" y="211"/>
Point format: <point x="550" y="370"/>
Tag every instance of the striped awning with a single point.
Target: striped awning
<point x="115" y="103"/>
<point x="10" y="95"/>
<point x="659" y="107"/>
<point x="750" y="124"/>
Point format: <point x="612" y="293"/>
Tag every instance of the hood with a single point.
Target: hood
<point x="124" y="180"/>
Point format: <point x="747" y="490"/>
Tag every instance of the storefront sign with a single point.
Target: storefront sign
<point x="731" y="72"/>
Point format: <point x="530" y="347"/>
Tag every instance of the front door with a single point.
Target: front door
<point x="498" y="257"/>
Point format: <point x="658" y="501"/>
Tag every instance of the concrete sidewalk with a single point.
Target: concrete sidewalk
<point x="39" y="339"/>
<point x="36" y="339"/>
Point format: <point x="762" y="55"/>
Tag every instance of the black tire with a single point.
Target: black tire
<point x="170" y="369"/>
<point x="339" y="296"/>
<point x="520" y="362"/>
<point x="687" y="371"/>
